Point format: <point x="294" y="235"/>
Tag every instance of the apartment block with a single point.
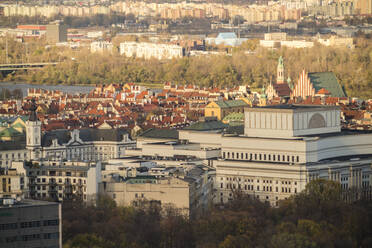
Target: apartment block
<point x="151" y="50"/>
<point x="187" y="187"/>
<point x="60" y="180"/>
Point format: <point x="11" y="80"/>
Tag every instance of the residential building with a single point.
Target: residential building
<point x="220" y="109"/>
<point x="12" y="184"/>
<point x="276" y="40"/>
<point x="101" y="46"/>
<point x="337" y="41"/>
<point x="185" y="187"/>
<point x="151" y="50"/>
<point x="60" y="180"/>
<point x="30" y="223"/>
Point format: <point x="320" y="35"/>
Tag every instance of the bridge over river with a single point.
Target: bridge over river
<point x="24" y="66"/>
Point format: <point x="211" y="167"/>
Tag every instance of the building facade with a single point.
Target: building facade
<point x="60" y="180"/>
<point x="79" y="144"/>
<point x="30" y="223"/>
<point x="151" y="50"/>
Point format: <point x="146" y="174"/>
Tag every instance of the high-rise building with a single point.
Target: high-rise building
<point x="56" y="33"/>
<point x="30" y="223"/>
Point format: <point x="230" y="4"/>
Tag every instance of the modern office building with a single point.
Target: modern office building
<point x="30" y="223"/>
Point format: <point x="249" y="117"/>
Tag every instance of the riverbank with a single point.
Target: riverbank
<point x="71" y="89"/>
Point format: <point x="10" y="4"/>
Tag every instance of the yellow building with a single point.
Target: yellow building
<point x="220" y="109"/>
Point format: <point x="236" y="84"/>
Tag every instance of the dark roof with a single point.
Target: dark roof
<point x="282" y="89"/>
<point x="328" y="81"/>
<point x="33" y="115"/>
<point x="92" y="134"/>
<point x="86" y="135"/>
<point x="206" y="126"/>
<point x="238" y="129"/>
<point x="11" y="145"/>
<point x="294" y="106"/>
<point x="62" y="135"/>
<point x="160" y="133"/>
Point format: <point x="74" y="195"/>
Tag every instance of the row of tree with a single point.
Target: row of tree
<point x="352" y="67"/>
<point x="317" y="217"/>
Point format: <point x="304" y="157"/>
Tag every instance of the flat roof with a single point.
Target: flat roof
<point x="294" y="107"/>
<point x="28" y="203"/>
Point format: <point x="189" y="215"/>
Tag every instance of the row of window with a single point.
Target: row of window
<point x="29" y="224"/>
<point x="60" y="180"/>
<point x="266" y="198"/>
<point x="30" y="237"/>
<point x="258" y="180"/>
<point x="12" y="155"/>
<point x="260" y="157"/>
<point x="264" y="188"/>
<point x="54" y="173"/>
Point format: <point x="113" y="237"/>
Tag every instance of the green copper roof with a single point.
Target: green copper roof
<point x="231" y="103"/>
<point x="160" y="133"/>
<point x="234" y="117"/>
<point x="328" y="81"/>
<point x="280" y="62"/>
<point x="18" y="125"/>
<point x="141" y="179"/>
<point x="10" y="132"/>
<point x="207" y="126"/>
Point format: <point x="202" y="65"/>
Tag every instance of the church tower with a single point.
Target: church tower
<point x="280" y="71"/>
<point x="33" y="133"/>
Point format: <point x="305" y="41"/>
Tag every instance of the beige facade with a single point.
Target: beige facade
<point x="12" y="184"/>
<point x="185" y="187"/>
<point x="291" y="122"/>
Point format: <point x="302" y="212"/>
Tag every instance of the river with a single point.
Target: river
<point x="64" y="88"/>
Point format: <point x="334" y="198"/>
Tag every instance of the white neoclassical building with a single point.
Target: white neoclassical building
<point x="87" y="144"/>
<point x="286" y="146"/>
<point x="282" y="148"/>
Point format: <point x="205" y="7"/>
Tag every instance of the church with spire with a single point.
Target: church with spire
<point x="280" y="88"/>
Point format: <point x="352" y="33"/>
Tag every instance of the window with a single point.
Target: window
<point x="221" y="185"/>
